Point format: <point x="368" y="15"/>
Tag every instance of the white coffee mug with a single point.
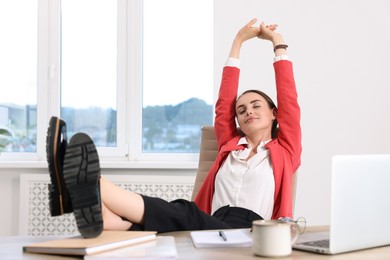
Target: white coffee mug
<point x="272" y="238"/>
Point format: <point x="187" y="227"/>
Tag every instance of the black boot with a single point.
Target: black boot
<point x="82" y="179"/>
<point x="56" y="142"/>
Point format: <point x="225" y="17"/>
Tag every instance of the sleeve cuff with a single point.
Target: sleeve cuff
<point x="281" y="57"/>
<point x="233" y="62"/>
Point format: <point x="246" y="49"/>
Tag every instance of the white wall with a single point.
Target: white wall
<point x="340" y="51"/>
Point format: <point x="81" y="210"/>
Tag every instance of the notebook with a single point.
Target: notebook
<point x="222" y="238"/>
<point x="360" y="189"/>
<point x="78" y="245"/>
<point x="163" y="247"/>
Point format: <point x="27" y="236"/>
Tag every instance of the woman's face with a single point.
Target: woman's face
<point x="254" y="114"/>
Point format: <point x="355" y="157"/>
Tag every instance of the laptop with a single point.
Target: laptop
<point x="360" y="207"/>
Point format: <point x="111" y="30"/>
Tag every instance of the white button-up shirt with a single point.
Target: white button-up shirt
<point x="246" y="183"/>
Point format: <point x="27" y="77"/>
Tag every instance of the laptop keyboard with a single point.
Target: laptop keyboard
<point x="319" y="243"/>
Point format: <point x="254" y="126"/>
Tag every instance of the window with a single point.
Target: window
<point x="18" y="66"/>
<point x="136" y="75"/>
<point x="177" y="74"/>
<point x="89" y="69"/>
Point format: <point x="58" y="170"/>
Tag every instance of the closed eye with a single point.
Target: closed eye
<point x="256" y="104"/>
<point x="240" y="112"/>
<point x="241" y="109"/>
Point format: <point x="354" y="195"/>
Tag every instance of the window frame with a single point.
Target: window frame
<point x="128" y="153"/>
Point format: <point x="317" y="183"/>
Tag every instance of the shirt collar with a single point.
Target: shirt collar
<point x="244" y="141"/>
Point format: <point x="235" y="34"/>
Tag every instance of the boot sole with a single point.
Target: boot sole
<point x="82" y="179"/>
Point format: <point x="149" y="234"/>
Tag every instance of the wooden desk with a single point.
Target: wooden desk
<point x="11" y="248"/>
<point x="186" y="250"/>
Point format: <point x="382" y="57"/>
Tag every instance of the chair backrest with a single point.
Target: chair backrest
<point x="207" y="155"/>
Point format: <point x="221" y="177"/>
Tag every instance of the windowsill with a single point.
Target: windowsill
<point x="106" y="165"/>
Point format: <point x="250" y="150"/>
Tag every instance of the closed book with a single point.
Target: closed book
<point x="107" y="240"/>
<point x="163" y="247"/>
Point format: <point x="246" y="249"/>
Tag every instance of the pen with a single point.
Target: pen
<point x="222" y="234"/>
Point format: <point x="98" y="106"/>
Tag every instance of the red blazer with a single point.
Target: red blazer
<point x="285" y="150"/>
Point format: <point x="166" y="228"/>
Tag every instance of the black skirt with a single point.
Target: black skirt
<point x="182" y="215"/>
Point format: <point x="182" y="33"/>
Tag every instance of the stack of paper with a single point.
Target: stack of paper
<point x="233" y="238"/>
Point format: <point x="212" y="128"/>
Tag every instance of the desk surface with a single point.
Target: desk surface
<point x="186" y="250"/>
<point x="11" y="248"/>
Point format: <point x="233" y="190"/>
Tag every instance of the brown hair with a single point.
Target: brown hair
<point x="271" y="105"/>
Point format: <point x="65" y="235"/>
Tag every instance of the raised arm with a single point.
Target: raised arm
<point x="269" y="33"/>
<point x="245" y="33"/>
<point x="288" y="109"/>
<point x="225" y="125"/>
